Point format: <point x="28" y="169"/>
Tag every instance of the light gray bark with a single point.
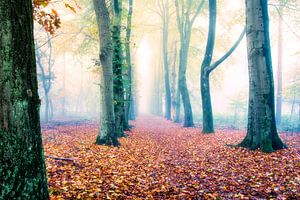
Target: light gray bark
<point x="261" y="130"/>
<point x="107" y="134"/>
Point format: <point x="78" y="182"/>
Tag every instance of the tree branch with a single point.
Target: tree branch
<point x="229" y="52"/>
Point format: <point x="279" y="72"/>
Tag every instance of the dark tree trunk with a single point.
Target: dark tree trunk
<point x="107" y="134"/>
<point x="208" y="126"/>
<point x="22" y="165"/>
<point x="261" y="131"/>
<point x="207" y="67"/>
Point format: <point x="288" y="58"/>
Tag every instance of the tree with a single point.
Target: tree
<point x="207" y="67"/>
<point x="45" y="63"/>
<point x="185" y="23"/>
<point x="279" y="65"/>
<point x="120" y="120"/>
<point x="165" y="17"/>
<point x="129" y="106"/>
<point x="107" y="133"/>
<point x="261" y="130"/>
<point x="22" y="165"/>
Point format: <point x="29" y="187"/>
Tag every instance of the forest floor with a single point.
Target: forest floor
<point x="162" y="160"/>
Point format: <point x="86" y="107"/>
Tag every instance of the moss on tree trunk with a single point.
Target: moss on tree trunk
<point x="22" y="165"/>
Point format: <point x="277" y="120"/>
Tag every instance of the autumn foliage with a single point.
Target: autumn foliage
<point x="47" y="16"/>
<point x="162" y="160"/>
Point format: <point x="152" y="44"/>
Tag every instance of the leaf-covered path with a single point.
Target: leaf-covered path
<point x="162" y="160"/>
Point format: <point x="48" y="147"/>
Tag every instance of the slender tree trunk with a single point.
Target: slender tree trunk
<point x="279" y="68"/>
<point x="129" y="97"/>
<point x="177" y="106"/>
<point x="261" y="130"/>
<point x="188" y="113"/>
<point x="118" y="70"/>
<point x="46" y="107"/>
<point x="63" y="109"/>
<point x="22" y="165"/>
<point x="173" y="83"/>
<point x="165" y="33"/>
<point x="208" y="126"/>
<point x="107" y="134"/>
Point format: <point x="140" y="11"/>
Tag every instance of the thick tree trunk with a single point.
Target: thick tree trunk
<point x="22" y="165"/>
<point x="261" y="131"/>
<point x="279" y="68"/>
<point x="208" y="126"/>
<point x="107" y="134"/>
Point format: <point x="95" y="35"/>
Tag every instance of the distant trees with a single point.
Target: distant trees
<point x="261" y="129"/>
<point x="45" y="74"/>
<point x="22" y="165"/>
<point x="107" y="133"/>
<point x="165" y="17"/>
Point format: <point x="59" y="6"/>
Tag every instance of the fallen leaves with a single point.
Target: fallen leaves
<point x="162" y="160"/>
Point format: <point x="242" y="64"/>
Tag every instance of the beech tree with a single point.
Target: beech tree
<point x="107" y="133"/>
<point x="185" y="21"/>
<point x="129" y="105"/>
<point x="118" y="59"/>
<point x="22" y="165"/>
<point x="207" y="67"/>
<point x="261" y="130"/>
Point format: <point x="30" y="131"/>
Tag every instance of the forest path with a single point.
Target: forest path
<point x="162" y="160"/>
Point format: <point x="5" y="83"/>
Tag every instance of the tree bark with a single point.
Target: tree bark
<point x="22" y="165"/>
<point x="261" y="130"/>
<point x="107" y="134"/>
<point x="119" y="95"/>
<point x="208" y="126"/>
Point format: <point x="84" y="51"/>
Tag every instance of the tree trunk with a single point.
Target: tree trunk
<point x="208" y="126"/>
<point x="177" y="105"/>
<point x="107" y="134"/>
<point x="173" y="83"/>
<point x="129" y="97"/>
<point x="188" y="113"/>
<point x="119" y="95"/>
<point x="22" y="165"/>
<point x="46" y="107"/>
<point x="165" y="32"/>
<point x="261" y="131"/>
<point x="279" y="68"/>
